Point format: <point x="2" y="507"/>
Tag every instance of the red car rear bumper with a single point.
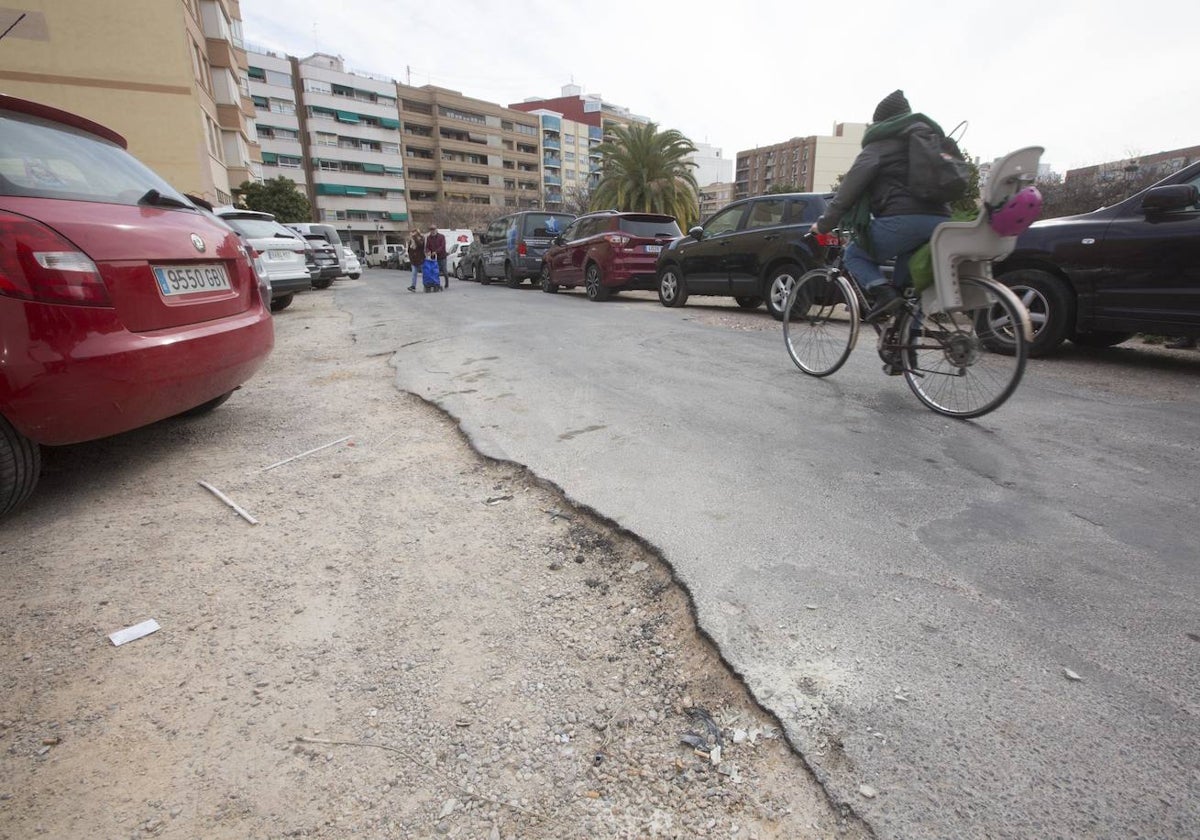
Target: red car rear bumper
<point x="73" y="373"/>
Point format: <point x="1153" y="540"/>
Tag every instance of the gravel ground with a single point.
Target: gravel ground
<point x="412" y="642"/>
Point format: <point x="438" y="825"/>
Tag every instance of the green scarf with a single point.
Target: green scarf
<point x="858" y="217"/>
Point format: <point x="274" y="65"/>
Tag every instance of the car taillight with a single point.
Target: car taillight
<point x="827" y="240"/>
<point x="36" y="263"/>
<point x="521" y="249"/>
<point x="618" y="239"/>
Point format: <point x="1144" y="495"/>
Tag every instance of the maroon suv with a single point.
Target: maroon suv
<point x="608" y="252"/>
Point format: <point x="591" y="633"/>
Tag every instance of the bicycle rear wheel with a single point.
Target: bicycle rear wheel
<point x="820" y="321"/>
<point x="946" y="359"/>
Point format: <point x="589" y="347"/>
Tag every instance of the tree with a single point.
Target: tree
<point x="576" y="200"/>
<point x="460" y="214"/>
<point x="1082" y="194"/>
<point x="777" y="189"/>
<point x="278" y="196"/>
<point x="645" y="170"/>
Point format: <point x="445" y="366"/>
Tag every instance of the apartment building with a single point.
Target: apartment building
<point x="180" y="97"/>
<point x="810" y="164"/>
<point x="715" y="196"/>
<point x="570" y="164"/>
<point x="711" y="165"/>
<point x="277" y="117"/>
<point x="350" y="135"/>
<point x="468" y="156"/>
<point x="1133" y="168"/>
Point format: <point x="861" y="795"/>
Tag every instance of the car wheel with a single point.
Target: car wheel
<point x="510" y="279"/>
<point x="1050" y="305"/>
<point x="458" y="273"/>
<point x="593" y="284"/>
<point x="1100" y="338"/>
<point x="322" y="284"/>
<point x="749" y="302"/>
<point x="20" y="466"/>
<point x="779" y="286"/>
<point x="206" y="407"/>
<point x="548" y="285"/>
<point x="672" y="290"/>
<point x="481" y="275"/>
<point x="355" y="276"/>
<point x="280" y="303"/>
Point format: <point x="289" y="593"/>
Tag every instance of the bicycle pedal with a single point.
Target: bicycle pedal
<point x="892" y="370"/>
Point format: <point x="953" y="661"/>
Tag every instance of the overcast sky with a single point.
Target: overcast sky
<point x="1090" y="80"/>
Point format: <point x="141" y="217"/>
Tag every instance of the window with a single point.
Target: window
<point x="274" y="77"/>
<point x="289" y="162"/>
<point x="281" y="106"/>
<point x="257" y="73"/>
<point x="725" y="221"/>
<point x="765" y="213"/>
<point x="317" y="86"/>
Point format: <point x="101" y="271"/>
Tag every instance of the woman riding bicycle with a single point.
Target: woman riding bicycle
<point x="876" y="201"/>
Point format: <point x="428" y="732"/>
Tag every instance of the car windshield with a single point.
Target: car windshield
<point x="260" y="228"/>
<point x="652" y="226"/>
<point x="44" y="159"/>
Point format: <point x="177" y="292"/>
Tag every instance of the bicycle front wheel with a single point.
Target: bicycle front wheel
<point x="820" y="321"/>
<point x="946" y="359"/>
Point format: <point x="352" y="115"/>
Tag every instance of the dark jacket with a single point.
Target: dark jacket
<point x="416" y="251"/>
<point x="880" y="171"/>
<point x="435" y="246"/>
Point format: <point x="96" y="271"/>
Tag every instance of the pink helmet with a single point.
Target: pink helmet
<point x="1018" y="213"/>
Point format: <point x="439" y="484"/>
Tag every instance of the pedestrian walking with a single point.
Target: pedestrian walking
<point x="416" y="256"/>
<point x="435" y="248"/>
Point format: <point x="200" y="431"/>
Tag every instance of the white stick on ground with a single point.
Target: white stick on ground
<point x="309" y="452"/>
<point x="242" y="513"/>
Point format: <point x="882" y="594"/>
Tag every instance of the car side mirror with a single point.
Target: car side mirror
<point x="696" y="233"/>
<point x="558" y="240"/>
<point x="1169" y="198"/>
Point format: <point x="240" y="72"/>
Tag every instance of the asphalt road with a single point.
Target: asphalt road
<point x="906" y="592"/>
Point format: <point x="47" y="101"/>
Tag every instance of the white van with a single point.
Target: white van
<point x="378" y="255"/>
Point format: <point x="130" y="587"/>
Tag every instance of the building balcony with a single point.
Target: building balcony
<point x="229" y="117"/>
<point x="552" y="162"/>
<point x="221" y="53"/>
<point x="552" y="180"/>
<point x="357" y="179"/>
<point x="551" y="143"/>
<point x="351" y="105"/>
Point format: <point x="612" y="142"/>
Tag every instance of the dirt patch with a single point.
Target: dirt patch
<point x="413" y="642"/>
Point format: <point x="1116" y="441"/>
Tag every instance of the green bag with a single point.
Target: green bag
<point x="920" y="265"/>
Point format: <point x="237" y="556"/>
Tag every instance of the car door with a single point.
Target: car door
<point x="704" y="261"/>
<point x="749" y="249"/>
<point x="565" y="259"/>
<point x="494" y="249"/>
<point x="1149" y="268"/>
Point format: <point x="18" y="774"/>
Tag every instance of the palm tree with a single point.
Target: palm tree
<point x="646" y="170"/>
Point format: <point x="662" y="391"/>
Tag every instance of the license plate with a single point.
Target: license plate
<point x="189" y="279"/>
<point x="280" y="255"/>
<point x="653" y="249"/>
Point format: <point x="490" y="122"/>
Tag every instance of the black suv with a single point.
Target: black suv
<point x="1099" y="277"/>
<point x="752" y="250"/>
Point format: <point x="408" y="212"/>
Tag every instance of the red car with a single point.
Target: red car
<point x="608" y="252"/>
<point x="120" y="303"/>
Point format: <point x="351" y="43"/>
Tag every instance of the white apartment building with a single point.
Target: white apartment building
<point x="273" y="90"/>
<point x="711" y="166"/>
<point x="835" y="154"/>
<point x="569" y="166"/>
<point x="350" y="128"/>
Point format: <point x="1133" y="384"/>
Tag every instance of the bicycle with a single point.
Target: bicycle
<point x="961" y="344"/>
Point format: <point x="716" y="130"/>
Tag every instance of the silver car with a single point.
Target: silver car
<point x="353" y="267"/>
<point x="278" y="253"/>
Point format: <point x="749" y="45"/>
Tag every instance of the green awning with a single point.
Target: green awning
<point x="355" y="190"/>
<point x="374" y="168"/>
<point x="398" y="217"/>
<point x="330" y="189"/>
<point x="393" y="170"/>
<point x="347" y="117"/>
<point x="270" y="157"/>
<point x="388" y="122"/>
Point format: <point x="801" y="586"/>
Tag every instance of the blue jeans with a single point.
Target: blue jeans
<point x="892" y="237"/>
<point x="416" y="275"/>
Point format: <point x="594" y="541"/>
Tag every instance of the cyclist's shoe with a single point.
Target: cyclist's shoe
<point x="884" y="299"/>
<point x="893" y="369"/>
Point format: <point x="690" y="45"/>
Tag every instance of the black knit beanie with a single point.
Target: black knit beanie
<point x="892" y="105"/>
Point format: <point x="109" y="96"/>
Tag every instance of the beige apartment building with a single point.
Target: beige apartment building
<point x="713" y="197"/>
<point x="179" y="98"/>
<point x="811" y="164"/>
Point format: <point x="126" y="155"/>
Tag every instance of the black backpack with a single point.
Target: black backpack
<point x="937" y="171"/>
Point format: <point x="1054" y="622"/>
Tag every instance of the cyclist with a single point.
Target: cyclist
<point x="876" y="202"/>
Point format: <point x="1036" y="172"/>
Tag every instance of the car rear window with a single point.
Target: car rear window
<point x="43" y="159"/>
<point x="805" y="211"/>
<point x="259" y="228"/>
<point x="546" y="225"/>
<point x="655" y="227"/>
